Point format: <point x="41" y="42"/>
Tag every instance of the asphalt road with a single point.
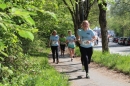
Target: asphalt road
<point x="115" y="48"/>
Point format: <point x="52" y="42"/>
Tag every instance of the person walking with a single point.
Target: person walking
<point x="62" y="44"/>
<point x="86" y="38"/>
<point x="54" y="43"/>
<point x="70" y="39"/>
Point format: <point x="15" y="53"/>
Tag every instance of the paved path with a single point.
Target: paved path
<point x="99" y="76"/>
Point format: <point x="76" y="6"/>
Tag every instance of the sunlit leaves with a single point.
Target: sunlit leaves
<point x="120" y="13"/>
<point x="34" y="30"/>
<point x="103" y="3"/>
<point x="3" y="53"/>
<point x="24" y="14"/>
<point x="51" y="14"/>
<point x="6" y="71"/>
<point x="0" y="65"/>
<point x="2" y="47"/>
<point x="26" y="34"/>
<point x="29" y="19"/>
<point x="2" y="6"/>
<point x="3" y="26"/>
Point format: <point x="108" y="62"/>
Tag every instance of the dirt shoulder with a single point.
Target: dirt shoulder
<point x="99" y="76"/>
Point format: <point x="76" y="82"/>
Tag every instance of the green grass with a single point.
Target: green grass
<point x="77" y="51"/>
<point x="113" y="61"/>
<point x="37" y="72"/>
<point x="45" y="75"/>
<point x="42" y="74"/>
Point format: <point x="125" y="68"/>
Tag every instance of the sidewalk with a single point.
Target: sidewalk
<point x="99" y="76"/>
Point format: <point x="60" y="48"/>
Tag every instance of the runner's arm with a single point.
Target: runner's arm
<point x="49" y="43"/>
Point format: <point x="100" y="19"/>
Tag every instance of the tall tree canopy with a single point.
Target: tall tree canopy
<point x="120" y="16"/>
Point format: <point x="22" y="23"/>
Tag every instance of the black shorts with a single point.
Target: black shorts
<point x="62" y="47"/>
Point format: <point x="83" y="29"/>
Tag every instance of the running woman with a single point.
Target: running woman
<point x="54" y="43"/>
<point x="86" y="39"/>
<point x="70" y="39"/>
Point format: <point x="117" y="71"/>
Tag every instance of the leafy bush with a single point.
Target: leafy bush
<point x="33" y="71"/>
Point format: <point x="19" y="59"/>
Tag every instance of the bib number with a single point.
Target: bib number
<point x="71" y="43"/>
<point x="85" y="42"/>
<point x="54" y="42"/>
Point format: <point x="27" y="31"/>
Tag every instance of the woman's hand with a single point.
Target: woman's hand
<point x="88" y="42"/>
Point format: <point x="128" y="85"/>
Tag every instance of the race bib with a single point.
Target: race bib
<point x="54" y="42"/>
<point x="71" y="42"/>
<point x="84" y="42"/>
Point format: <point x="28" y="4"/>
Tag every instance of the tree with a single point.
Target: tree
<point x="103" y="24"/>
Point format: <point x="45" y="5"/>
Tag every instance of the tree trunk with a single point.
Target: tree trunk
<point x="77" y="19"/>
<point x="103" y="25"/>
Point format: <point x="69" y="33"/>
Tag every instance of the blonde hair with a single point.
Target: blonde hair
<point x="54" y="31"/>
<point x="85" y="21"/>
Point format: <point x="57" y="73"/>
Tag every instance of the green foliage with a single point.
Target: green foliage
<point x="77" y="51"/>
<point x="53" y="16"/>
<point x="120" y="17"/>
<point x="6" y="72"/>
<point x="23" y="14"/>
<point x="3" y="6"/>
<point x="37" y="46"/>
<point x="10" y="28"/>
<point x="26" y="34"/>
<point x="19" y="23"/>
<point x="15" y="23"/>
<point x="35" y="71"/>
<point x="94" y="16"/>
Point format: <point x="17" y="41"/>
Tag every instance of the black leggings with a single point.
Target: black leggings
<point x="81" y="55"/>
<point x="54" y="50"/>
<point x="62" y="47"/>
<point x="86" y="54"/>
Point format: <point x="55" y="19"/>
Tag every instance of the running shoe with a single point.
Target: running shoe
<point x="87" y="76"/>
<point x="57" y="61"/>
<point x="71" y="59"/>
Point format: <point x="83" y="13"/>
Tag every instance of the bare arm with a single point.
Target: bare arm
<point x="78" y="39"/>
<point x="59" y="43"/>
<point x="93" y="38"/>
<point x="49" y="43"/>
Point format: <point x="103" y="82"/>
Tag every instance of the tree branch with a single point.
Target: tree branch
<point x="68" y="6"/>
